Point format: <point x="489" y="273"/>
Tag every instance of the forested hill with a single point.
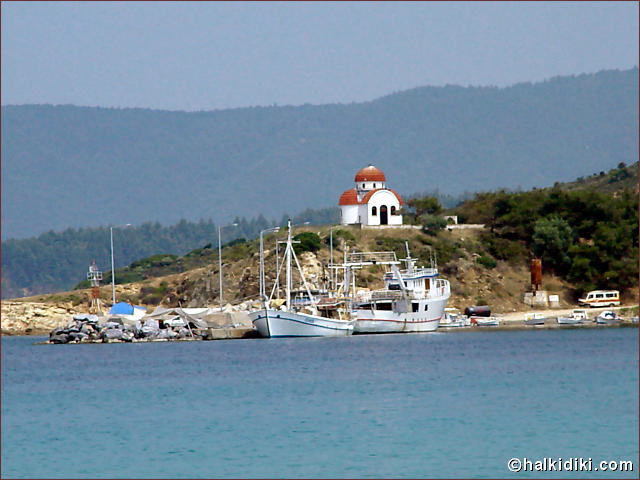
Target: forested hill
<point x="66" y="166"/>
<point x="56" y="261"/>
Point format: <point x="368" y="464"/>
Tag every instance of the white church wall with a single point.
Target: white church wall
<point x="349" y="214"/>
<point x="369" y="185"/>
<point x="379" y="199"/>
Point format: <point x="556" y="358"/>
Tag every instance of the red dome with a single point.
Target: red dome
<point x="370" y="174"/>
<point x="350" y="197"/>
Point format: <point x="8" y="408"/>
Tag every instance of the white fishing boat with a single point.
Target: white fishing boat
<point x="577" y="316"/>
<point x="412" y="300"/>
<point x="485" y="321"/>
<point x="282" y="323"/>
<point x="534" y="319"/>
<point x="453" y="318"/>
<point x="608" y="317"/>
<point x="302" y="320"/>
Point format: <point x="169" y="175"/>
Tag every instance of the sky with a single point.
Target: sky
<point x="218" y="55"/>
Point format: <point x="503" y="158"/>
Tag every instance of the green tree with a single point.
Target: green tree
<point x="551" y="240"/>
<point x="425" y="205"/>
<point x="432" y="223"/>
<point x="309" y="242"/>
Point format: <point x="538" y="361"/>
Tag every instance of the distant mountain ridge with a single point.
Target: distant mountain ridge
<point x="66" y="166"/>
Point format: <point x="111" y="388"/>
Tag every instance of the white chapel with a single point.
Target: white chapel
<point x="370" y="202"/>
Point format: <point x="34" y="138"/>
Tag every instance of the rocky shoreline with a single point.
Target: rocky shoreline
<point x="34" y="318"/>
<point x="64" y="323"/>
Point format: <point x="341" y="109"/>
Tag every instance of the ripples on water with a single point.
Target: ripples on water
<point x="422" y="405"/>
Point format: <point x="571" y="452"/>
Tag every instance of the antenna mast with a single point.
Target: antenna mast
<point x="94" y="276"/>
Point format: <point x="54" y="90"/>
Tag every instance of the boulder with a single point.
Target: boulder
<point x="78" y="336"/>
<point x="112" y="334"/>
<point x="56" y="331"/>
<point x="127" y="336"/>
<point x="150" y="328"/>
<point x="60" y="338"/>
<point x="87" y="328"/>
<point x="168" y="334"/>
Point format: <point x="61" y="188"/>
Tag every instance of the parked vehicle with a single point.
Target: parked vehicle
<point x="600" y="298"/>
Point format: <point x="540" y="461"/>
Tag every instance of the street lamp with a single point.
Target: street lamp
<point x="113" y="270"/>
<point x="220" y="257"/>
<point x="263" y="293"/>
<point x="332" y="282"/>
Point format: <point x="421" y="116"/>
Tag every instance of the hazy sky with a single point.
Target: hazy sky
<point x="193" y="56"/>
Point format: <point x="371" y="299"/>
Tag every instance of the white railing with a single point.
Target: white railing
<point x="417" y="272"/>
<point x="439" y="289"/>
<point x="372" y="258"/>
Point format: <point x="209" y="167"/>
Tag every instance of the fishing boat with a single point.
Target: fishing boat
<point x="534" y="319"/>
<point x="412" y="300"/>
<point x="485" y="321"/>
<point x="577" y="316"/>
<point x="453" y="318"/>
<point x="299" y="319"/>
<point x="608" y="317"/>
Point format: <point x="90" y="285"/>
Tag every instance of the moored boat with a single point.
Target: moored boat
<point x="608" y="317"/>
<point x="577" y="316"/>
<point x="485" y="321"/>
<point x="453" y="318"/>
<point x="282" y="323"/>
<point x="412" y="300"/>
<point x="534" y="319"/>
<point x="298" y="319"/>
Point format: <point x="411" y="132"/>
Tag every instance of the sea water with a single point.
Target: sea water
<point x="420" y="405"/>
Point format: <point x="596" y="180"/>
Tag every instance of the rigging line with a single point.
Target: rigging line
<point x="273" y="289"/>
<point x="304" y="280"/>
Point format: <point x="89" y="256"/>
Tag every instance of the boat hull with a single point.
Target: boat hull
<point x="569" y="321"/>
<point x="535" y="321"/>
<point x="485" y="321"/>
<point x="277" y="323"/>
<point x="608" y="321"/>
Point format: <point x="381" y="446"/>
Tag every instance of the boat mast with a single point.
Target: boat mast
<point x="288" y="260"/>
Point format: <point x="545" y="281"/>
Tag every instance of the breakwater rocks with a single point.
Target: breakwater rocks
<point x="93" y="329"/>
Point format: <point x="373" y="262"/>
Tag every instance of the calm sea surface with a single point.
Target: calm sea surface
<point x="421" y="405"/>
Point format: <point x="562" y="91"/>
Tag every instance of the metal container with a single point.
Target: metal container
<point x="478" y="311"/>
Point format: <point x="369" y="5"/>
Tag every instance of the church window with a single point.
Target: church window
<point x="374" y="211"/>
<point x="374" y="185"/>
<point x="393" y="210"/>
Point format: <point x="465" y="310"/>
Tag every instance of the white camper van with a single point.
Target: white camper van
<point x="601" y="298"/>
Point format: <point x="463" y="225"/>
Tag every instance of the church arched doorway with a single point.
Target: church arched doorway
<point x="383" y="215"/>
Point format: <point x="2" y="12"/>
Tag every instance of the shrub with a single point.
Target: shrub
<point x="432" y="223"/>
<point x="346" y="235"/>
<point x="160" y="260"/>
<point x="309" y="242"/>
<point x="486" y="261"/>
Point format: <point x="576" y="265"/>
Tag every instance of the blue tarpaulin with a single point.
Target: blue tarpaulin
<point x="122" y="308"/>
